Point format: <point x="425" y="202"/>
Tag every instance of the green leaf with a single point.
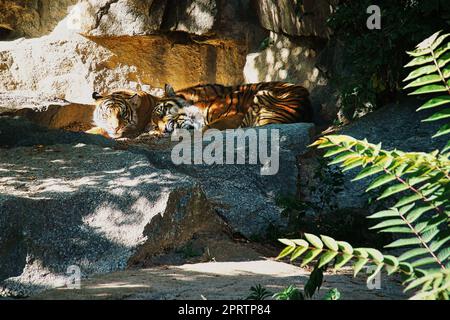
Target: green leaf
<point x="429" y="235"/>
<point x="417" y="213"/>
<point x="298" y="252"/>
<point x="397" y="230"/>
<point x="424" y="80"/>
<point x="376" y="255"/>
<point x="342" y="260"/>
<point x="287" y="242"/>
<point x="326" y="258"/>
<point x="439" y="115"/>
<point x="408" y="199"/>
<point x="310" y="256"/>
<point x="286" y="251"/>
<point x="381" y="180"/>
<point x="436" y="245"/>
<point x="430" y="68"/>
<point x="444" y="254"/>
<point x="359" y="264"/>
<point x="333" y="294"/>
<point x="330" y="243"/>
<point x="425" y="46"/>
<point x="388" y="223"/>
<point x="419" y="61"/>
<point x="385" y="214"/>
<point x="431" y="88"/>
<point x="345" y="247"/>
<point x="393" y="190"/>
<point x="446" y="148"/>
<point x="361" y="252"/>
<point x="301" y="243"/>
<point x="443" y="131"/>
<point x="435" y="102"/>
<point x="342" y="157"/>
<point x="403" y="242"/>
<point x="334" y="151"/>
<point x="314" y="240"/>
<point x="413" y="253"/>
<point x="368" y="171"/>
<point x="423" y="262"/>
<point x="406" y="267"/>
<point x="391" y="264"/>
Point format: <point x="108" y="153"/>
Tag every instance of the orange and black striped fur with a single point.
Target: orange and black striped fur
<point x="230" y="107"/>
<point x="122" y="113"/>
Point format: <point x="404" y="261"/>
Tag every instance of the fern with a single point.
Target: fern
<point x="432" y="75"/>
<point x="419" y="182"/>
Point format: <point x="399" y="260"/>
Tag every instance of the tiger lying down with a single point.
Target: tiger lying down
<point x="202" y="107"/>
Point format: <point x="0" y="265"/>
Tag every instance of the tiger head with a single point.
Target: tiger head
<point x="116" y="113"/>
<point x="173" y="112"/>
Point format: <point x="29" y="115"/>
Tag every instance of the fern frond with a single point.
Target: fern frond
<point x="432" y="63"/>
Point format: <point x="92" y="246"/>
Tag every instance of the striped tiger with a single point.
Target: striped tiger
<point x="231" y="107"/>
<point x="122" y="113"/>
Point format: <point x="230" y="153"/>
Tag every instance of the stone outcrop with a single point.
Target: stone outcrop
<point x="68" y="198"/>
<point x="296" y="18"/>
<point x="396" y="126"/>
<point x="105" y="45"/>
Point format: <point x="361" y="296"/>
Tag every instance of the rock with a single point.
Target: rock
<point x="88" y="204"/>
<point x="243" y="196"/>
<point x="395" y="126"/>
<point x="32" y="18"/>
<point x="68" y="198"/>
<point x="294" y="60"/>
<point x="79" y="65"/>
<point x="296" y="18"/>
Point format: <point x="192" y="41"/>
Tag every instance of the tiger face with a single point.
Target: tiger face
<point x="175" y="113"/>
<point x="116" y="113"/>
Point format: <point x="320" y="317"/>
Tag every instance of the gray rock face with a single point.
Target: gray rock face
<point x="295" y="18"/>
<point x="244" y="197"/>
<point x="73" y="199"/>
<point x="395" y="126"/>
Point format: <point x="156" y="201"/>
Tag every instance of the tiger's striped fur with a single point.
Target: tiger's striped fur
<point x="122" y="113"/>
<point x="222" y="107"/>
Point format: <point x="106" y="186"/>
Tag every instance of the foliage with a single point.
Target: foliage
<point x="333" y="294"/>
<point x="373" y="59"/>
<point x="418" y="182"/>
<point x="290" y="293"/>
<point x="431" y="75"/>
<point x="312" y="286"/>
<point x="258" y="292"/>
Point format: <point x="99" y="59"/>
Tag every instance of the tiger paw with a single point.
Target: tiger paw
<point x="98" y="131"/>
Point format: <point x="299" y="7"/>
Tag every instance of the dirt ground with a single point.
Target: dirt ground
<point x="219" y="280"/>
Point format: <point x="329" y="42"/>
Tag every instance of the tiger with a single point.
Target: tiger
<point x="122" y="113"/>
<point x="215" y="106"/>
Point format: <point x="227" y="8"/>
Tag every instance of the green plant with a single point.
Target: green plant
<point x="312" y="286"/>
<point x="333" y="294"/>
<point x="373" y="59"/>
<point x="418" y="182"/>
<point x="258" y="292"/>
<point x="289" y="293"/>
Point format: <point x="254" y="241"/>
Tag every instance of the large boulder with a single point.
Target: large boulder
<point x="333" y="194"/>
<point x="68" y="198"/>
<point x="31" y="18"/>
<point x="126" y="46"/>
<point x="77" y="200"/>
<point x="296" y="18"/>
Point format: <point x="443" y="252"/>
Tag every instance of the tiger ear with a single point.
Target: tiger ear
<point x="170" y="92"/>
<point x="135" y="99"/>
<point x="96" y="96"/>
